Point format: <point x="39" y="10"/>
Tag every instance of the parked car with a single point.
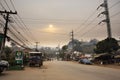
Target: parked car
<point x="76" y="59"/>
<point x="85" y="61"/>
<point x="3" y="65"/>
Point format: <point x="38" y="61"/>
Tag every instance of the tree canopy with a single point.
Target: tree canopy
<point x="7" y="51"/>
<point x="108" y="45"/>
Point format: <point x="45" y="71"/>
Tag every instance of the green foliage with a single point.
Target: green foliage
<point x="7" y="51"/>
<point x="64" y="48"/>
<point x="77" y="46"/>
<point x="62" y="53"/>
<point x="12" y="62"/>
<point x="108" y="45"/>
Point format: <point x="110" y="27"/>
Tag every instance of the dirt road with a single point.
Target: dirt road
<point x="62" y="70"/>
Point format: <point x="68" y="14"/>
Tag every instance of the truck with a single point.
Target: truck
<point x="35" y="59"/>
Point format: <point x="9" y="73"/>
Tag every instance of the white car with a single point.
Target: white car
<point x="3" y="65"/>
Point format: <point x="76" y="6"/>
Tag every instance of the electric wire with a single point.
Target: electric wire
<point x="15" y="36"/>
<point x="24" y="25"/>
<point x="7" y="4"/>
<point x="85" y="21"/>
<point x="18" y="33"/>
<point x="22" y="30"/>
<point x="114" y="4"/>
<point x="115" y="14"/>
<point x="18" y="36"/>
<point x="14" y="27"/>
<point x="2" y="6"/>
<point x="103" y="24"/>
<point x="13" y="5"/>
<point x="14" y="20"/>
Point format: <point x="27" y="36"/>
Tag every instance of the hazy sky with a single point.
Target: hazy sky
<point x="51" y="21"/>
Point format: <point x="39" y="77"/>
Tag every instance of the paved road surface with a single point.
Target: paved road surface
<point x="62" y="70"/>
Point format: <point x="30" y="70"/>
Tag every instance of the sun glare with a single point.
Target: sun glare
<point x="50" y="26"/>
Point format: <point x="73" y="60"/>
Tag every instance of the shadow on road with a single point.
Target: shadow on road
<point x="3" y="74"/>
<point x="42" y="67"/>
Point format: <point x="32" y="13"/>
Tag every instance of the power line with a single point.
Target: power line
<point x="16" y="36"/>
<point x="94" y="12"/>
<point x="7" y="4"/>
<point x="24" y="29"/>
<point x="27" y="30"/>
<point x="2" y="23"/>
<point x="88" y="24"/>
<point x="47" y="21"/>
<point x="18" y="43"/>
<point x="88" y="31"/>
<point x="13" y="5"/>
<point x="19" y="26"/>
<point x="94" y="19"/>
<point x="14" y="27"/>
<point x="19" y="18"/>
<point x="18" y="32"/>
<point x="115" y="4"/>
<point x="102" y="13"/>
<point x="115" y="14"/>
<point x="54" y="33"/>
<point x="2" y="6"/>
<point x="22" y="21"/>
<point x="44" y="19"/>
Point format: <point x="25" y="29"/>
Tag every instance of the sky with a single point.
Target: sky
<point x="51" y="21"/>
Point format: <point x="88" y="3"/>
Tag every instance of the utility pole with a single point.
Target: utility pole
<point x="72" y="39"/>
<point x="107" y="20"/>
<point x="6" y="26"/>
<point x="59" y="48"/>
<point x="36" y="46"/>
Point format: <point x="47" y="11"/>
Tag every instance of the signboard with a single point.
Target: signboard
<point x="19" y="57"/>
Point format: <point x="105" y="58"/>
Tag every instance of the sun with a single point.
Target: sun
<point x="50" y="26"/>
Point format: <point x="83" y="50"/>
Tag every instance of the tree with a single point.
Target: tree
<point x="64" y="48"/>
<point x="62" y="53"/>
<point x="75" y="45"/>
<point x="108" y="45"/>
<point x="7" y="51"/>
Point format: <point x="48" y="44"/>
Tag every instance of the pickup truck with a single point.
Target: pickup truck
<point x="3" y="65"/>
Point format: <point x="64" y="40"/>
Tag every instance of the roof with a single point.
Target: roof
<point x="35" y="52"/>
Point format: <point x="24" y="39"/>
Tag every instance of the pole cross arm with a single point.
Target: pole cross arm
<point x="8" y="12"/>
<point x="104" y="12"/>
<point x="105" y="20"/>
<point x="102" y="5"/>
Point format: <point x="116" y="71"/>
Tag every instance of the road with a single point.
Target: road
<point x="63" y="70"/>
